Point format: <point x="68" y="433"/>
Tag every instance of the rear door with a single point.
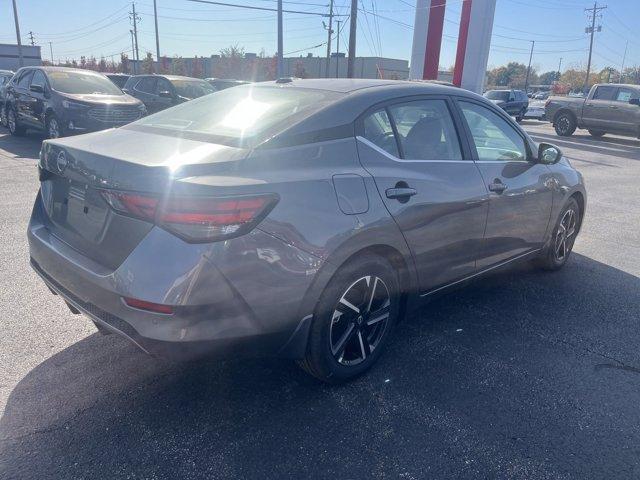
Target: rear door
<point x="145" y="90"/>
<point x="625" y="116"/>
<point x="597" y="113"/>
<point x="519" y="188"/>
<point x="429" y="184"/>
<point x="164" y="88"/>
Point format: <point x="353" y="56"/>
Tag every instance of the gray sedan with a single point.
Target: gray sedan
<point x="299" y="218"/>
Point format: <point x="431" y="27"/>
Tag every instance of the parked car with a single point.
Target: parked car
<point x="541" y="96"/>
<point x="162" y="91"/>
<point x="298" y="219"/>
<point x="62" y="101"/>
<point x="514" y="102"/>
<point x="608" y="108"/>
<point x="222" y="83"/>
<point x="536" y="111"/>
<point x="5" y="77"/>
<point x="120" y="79"/>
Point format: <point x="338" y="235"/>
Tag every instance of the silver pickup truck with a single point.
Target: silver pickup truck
<point x="609" y="108"/>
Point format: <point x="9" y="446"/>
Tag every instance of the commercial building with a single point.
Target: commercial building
<point x="10" y="59"/>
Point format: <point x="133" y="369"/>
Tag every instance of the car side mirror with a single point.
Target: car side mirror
<point x="549" y="154"/>
<point x="165" y="94"/>
<point x="635" y="101"/>
<point x="36" y="88"/>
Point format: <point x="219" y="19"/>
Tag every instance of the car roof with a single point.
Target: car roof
<point x="168" y="77"/>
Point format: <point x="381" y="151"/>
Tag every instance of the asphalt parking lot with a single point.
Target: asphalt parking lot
<point x="521" y="375"/>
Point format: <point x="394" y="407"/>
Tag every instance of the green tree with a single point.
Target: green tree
<point x="547" y="78"/>
<point x="231" y="63"/>
<point x="177" y="66"/>
<point x="147" y="64"/>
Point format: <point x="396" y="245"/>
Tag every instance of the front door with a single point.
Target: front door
<point x="429" y="184"/>
<point x="35" y="107"/>
<point x="520" y="189"/>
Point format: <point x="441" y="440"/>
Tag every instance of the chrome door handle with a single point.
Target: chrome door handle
<point x="400" y="193"/>
<point x="497" y="187"/>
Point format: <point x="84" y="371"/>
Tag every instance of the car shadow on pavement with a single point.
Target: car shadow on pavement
<point x="27" y="146"/>
<point x="517" y="373"/>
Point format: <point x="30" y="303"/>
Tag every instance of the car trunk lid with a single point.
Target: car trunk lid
<point x="75" y="170"/>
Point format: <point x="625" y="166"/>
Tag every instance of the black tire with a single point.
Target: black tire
<point x="597" y="133"/>
<point x="324" y="358"/>
<point x="550" y="258"/>
<point x="565" y="124"/>
<point x="53" y="125"/>
<point x="520" y="116"/>
<point x="12" y="123"/>
<point x="3" y="116"/>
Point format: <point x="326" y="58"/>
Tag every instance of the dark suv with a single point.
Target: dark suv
<point x="62" y="101"/>
<point x="162" y="91"/>
<point x="5" y="77"/>
<point x="514" y="102"/>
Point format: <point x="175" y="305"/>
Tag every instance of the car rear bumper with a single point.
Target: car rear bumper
<point x="228" y="299"/>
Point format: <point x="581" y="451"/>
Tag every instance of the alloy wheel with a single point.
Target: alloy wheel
<point x="565" y="235"/>
<point x="359" y="320"/>
<point x="563" y="124"/>
<point x="11" y="120"/>
<point x="53" y="130"/>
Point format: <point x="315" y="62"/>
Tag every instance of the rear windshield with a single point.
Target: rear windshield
<point x="82" y="83"/>
<point x="192" y="88"/>
<point x="497" y="95"/>
<point x="243" y="112"/>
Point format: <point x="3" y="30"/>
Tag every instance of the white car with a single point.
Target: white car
<point x="535" y="111"/>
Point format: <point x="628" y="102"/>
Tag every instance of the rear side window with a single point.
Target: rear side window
<point x="146" y="85"/>
<point x="604" y="93"/>
<point x="626" y="94"/>
<point x="426" y="130"/>
<point x="378" y="130"/>
<point x="494" y="138"/>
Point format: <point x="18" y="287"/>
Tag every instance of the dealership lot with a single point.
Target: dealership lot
<point x="521" y="375"/>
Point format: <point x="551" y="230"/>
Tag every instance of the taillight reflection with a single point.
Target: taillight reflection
<point x="195" y="219"/>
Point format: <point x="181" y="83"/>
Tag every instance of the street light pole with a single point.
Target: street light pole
<point x="15" y="18"/>
<point x="326" y="70"/>
<point x="51" y="50"/>
<point x="155" y="16"/>
<point x="526" y="82"/>
<point x="352" y="38"/>
<point x="280" y="64"/>
<point x="338" y="49"/>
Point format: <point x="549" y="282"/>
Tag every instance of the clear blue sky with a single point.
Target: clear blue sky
<point x="100" y="27"/>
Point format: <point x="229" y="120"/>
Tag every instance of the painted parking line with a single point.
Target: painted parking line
<point x="579" y="144"/>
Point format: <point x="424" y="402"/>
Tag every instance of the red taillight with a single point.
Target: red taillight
<point x="202" y="219"/>
<point x="134" y="204"/>
<point x="149" y="306"/>
<point x="195" y="219"/>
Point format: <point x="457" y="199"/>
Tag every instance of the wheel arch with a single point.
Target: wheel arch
<point x="580" y="200"/>
<point x="296" y="346"/>
<point x="565" y="110"/>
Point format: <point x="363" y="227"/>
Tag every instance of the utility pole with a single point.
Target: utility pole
<point x="594" y="13"/>
<point x="526" y="82"/>
<point x="135" y="19"/>
<point x="352" y="38"/>
<point x="338" y="49"/>
<point x="51" y="50"/>
<point x="31" y="39"/>
<point x="280" y="60"/>
<point x="559" y="69"/>
<point x="133" y="49"/>
<point x="326" y="70"/>
<point x="624" y="58"/>
<point x="15" y="18"/>
<point x="155" y="17"/>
